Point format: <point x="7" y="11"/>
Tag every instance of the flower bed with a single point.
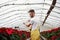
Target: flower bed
<point x="53" y="34"/>
<point x="13" y="34"/>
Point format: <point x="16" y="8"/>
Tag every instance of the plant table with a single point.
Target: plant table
<point x="53" y="34"/>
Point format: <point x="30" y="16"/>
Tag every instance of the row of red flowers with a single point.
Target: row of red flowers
<point x="53" y="34"/>
<point x="9" y="32"/>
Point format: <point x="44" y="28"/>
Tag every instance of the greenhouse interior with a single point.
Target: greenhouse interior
<point x="29" y="19"/>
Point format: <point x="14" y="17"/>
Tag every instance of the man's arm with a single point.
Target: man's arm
<point x="27" y="24"/>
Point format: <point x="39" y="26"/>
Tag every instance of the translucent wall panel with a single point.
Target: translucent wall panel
<point x="15" y="12"/>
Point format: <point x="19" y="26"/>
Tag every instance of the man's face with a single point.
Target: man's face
<point x="32" y="14"/>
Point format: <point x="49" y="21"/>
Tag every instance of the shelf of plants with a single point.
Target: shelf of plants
<point x="13" y="34"/>
<point x="53" y="34"/>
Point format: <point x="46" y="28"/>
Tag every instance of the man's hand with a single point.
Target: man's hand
<point x="24" y="23"/>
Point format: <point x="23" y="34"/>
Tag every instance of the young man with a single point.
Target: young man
<point x="33" y="24"/>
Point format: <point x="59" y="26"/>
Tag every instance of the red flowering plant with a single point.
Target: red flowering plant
<point x="53" y="34"/>
<point x="13" y="34"/>
<point x="55" y="38"/>
<point x="9" y="31"/>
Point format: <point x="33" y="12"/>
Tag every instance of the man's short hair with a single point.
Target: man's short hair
<point x="32" y="10"/>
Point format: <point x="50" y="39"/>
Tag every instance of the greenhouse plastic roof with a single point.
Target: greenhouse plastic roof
<point x="14" y="12"/>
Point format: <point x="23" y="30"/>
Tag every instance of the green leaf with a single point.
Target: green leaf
<point x="14" y="37"/>
<point x="2" y="37"/>
<point x="23" y="36"/>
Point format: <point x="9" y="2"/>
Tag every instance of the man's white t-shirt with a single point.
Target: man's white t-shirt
<point x="35" y="22"/>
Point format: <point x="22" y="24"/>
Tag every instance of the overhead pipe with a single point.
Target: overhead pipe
<point x="49" y="11"/>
